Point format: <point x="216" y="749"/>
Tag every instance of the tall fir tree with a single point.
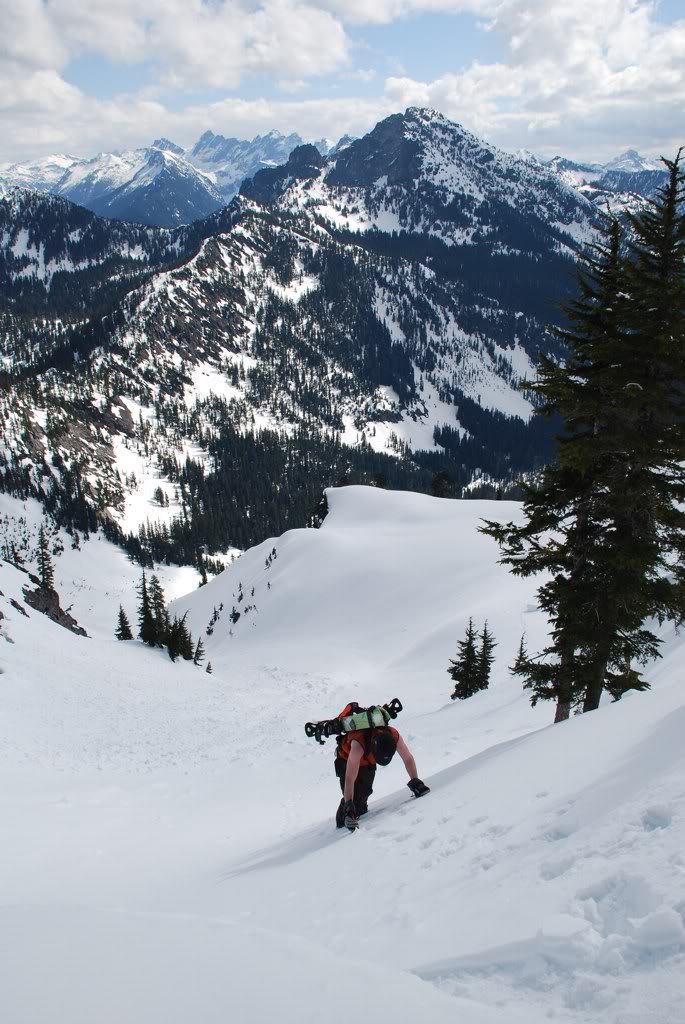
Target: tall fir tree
<point x="147" y="631"/>
<point x="46" y="571"/>
<point x="485" y="657"/>
<point x="186" y="646"/>
<point x="158" y="610"/>
<point x="464" y="670"/>
<point x="123" y="630"/>
<point x="605" y="521"/>
<point x="173" y="639"/>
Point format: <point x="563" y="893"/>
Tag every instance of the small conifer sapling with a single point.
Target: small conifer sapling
<point x="123" y="630"/>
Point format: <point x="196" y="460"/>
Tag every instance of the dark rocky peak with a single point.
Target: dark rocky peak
<point x="305" y="161"/>
<point x="401" y="148"/>
<point x="386" y="152"/>
<point x="267" y="185"/>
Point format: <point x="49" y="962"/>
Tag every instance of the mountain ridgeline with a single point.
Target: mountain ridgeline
<point x="362" y="316"/>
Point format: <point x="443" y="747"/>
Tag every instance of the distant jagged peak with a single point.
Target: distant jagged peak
<point x="343" y="142"/>
<point x="211" y="147"/>
<point x="632" y="161"/>
<point x="167" y="146"/>
<point x="275" y="136"/>
<point x="562" y="163"/>
<point x="216" y="147"/>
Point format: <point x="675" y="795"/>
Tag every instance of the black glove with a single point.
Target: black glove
<point x="351" y="817"/>
<point x="417" y="787"/>
<point x="340" y="815"/>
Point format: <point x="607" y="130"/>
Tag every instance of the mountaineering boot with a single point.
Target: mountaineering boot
<point x="417" y="787"/>
<point x="340" y="814"/>
<point x="351" y="820"/>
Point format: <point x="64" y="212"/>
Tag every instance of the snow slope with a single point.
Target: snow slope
<point x="170" y="852"/>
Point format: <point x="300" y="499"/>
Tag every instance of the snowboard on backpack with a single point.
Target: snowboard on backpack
<point x="354" y="718"/>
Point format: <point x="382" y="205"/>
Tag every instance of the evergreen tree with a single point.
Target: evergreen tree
<point x="147" y="630"/>
<point x="199" y="654"/>
<point x="440" y="487"/>
<point x="174" y="638"/>
<point x="605" y="522"/>
<point x="208" y="670"/>
<point x="46" y="570"/>
<point x="123" y="630"/>
<point x="518" y="668"/>
<point x="159" y="612"/>
<point x="179" y="640"/>
<point x="185" y="643"/>
<point x="464" y="670"/>
<point x="485" y="657"/>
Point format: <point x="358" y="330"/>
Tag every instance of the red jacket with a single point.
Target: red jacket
<point x="363" y="738"/>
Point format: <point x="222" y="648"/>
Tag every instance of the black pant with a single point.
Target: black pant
<point x="363" y="786"/>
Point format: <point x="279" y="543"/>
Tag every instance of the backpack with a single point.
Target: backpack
<point x="352" y="718"/>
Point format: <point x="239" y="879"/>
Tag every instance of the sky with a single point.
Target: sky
<point x="586" y="79"/>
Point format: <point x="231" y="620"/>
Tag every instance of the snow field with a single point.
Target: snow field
<point x="171" y="850"/>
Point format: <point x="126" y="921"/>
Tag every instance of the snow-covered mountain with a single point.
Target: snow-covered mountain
<point x="227" y="162"/>
<point x="366" y="315"/>
<point x="633" y="162"/>
<point x="181" y="186"/>
<point x="425" y="174"/>
<point x="43" y="175"/>
<point x="162" y="184"/>
<point x="170" y="849"/>
<point x="42" y="236"/>
<point x="573" y="172"/>
<point x="151" y="186"/>
<point x="621" y="184"/>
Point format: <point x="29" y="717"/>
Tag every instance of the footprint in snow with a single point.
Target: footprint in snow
<point x="657" y="817"/>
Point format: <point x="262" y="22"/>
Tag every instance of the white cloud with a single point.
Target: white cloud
<point x="585" y="78"/>
<point x="28" y="37"/>
<point x="364" y="12"/>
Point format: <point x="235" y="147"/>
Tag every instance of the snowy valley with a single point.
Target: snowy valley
<point x="170" y="851"/>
